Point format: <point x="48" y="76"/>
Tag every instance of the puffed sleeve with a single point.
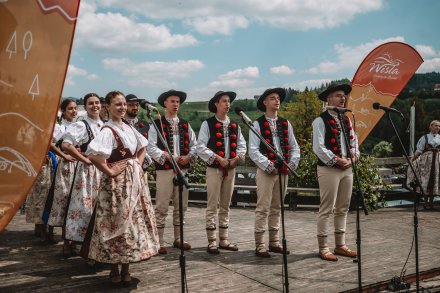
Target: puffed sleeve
<point x="76" y="134"/>
<point x="57" y="133"/>
<point x="103" y="144"/>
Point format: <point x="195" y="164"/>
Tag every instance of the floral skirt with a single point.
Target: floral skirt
<point x="82" y="200"/>
<point x="36" y="199"/>
<point x="427" y="167"/>
<point x="63" y="182"/>
<point x="123" y="229"/>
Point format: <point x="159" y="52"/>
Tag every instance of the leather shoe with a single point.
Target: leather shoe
<point x="277" y="249"/>
<point x="212" y="250"/>
<point x="328" y="256"/>
<point x="345" y="251"/>
<point x="262" y="253"/>
<point x="162" y="250"/>
<point x="186" y="245"/>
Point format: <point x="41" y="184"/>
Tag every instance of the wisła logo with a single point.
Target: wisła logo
<point x="385" y="64"/>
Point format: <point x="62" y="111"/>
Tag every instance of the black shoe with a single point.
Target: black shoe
<point x="262" y="253"/>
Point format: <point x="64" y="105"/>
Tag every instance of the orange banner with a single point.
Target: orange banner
<point x="35" y="44"/>
<point x="380" y="78"/>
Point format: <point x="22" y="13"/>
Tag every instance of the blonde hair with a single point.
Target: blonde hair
<point x="433" y="122"/>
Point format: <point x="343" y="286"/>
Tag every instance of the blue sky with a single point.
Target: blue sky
<point x="201" y="47"/>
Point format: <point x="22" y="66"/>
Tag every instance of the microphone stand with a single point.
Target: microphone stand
<point x="279" y="163"/>
<point x="414" y="185"/>
<point x="179" y="180"/>
<point x="359" y="200"/>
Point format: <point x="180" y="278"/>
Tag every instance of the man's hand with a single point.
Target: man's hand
<point x="343" y="163"/>
<point x="274" y="171"/>
<point x="233" y="162"/>
<point x="184" y="160"/>
<point x="223" y="162"/>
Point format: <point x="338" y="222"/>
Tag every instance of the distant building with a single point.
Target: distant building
<point x="437" y="87"/>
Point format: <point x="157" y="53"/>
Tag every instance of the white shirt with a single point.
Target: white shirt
<point x="263" y="161"/>
<point x="59" y="129"/>
<point x="104" y="143"/>
<point x="207" y="155"/>
<point x="76" y="133"/>
<point x="159" y="155"/>
<point x="433" y="139"/>
<point x="319" y="148"/>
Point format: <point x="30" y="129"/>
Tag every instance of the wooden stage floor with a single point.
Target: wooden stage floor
<point x="28" y="266"/>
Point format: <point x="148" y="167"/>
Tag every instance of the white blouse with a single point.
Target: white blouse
<point x="59" y="130"/>
<point x="104" y="143"/>
<point x="261" y="160"/>
<point x="76" y="134"/>
<point x="207" y="154"/>
<point x="433" y="139"/>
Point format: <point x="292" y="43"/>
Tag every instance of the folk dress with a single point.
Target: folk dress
<point x="123" y="229"/>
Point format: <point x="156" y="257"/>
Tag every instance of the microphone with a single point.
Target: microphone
<point x="338" y="109"/>
<point x="147" y="106"/>
<point x="243" y="115"/>
<point x="378" y="106"/>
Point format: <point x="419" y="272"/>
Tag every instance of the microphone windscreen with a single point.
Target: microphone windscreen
<point x="143" y="103"/>
<point x="238" y="110"/>
<point x="376" y="105"/>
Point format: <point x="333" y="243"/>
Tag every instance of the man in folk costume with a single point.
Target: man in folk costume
<point x="181" y="140"/>
<point x="221" y="145"/>
<point x="335" y="175"/>
<point x="140" y="125"/>
<point x="278" y="132"/>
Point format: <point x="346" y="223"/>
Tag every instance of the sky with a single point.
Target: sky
<point x="146" y="47"/>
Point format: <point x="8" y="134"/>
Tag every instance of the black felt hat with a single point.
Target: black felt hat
<point x="333" y="87"/>
<point x="165" y="95"/>
<point x="280" y="91"/>
<point x="211" y="105"/>
<point x="132" y="98"/>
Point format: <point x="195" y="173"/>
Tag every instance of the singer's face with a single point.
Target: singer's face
<point x="70" y="112"/>
<point x="172" y="104"/>
<point x="132" y="109"/>
<point x="117" y="108"/>
<point x="435" y="127"/>
<point x="223" y="105"/>
<point x="336" y="99"/>
<point x="272" y="102"/>
<point x="93" y="107"/>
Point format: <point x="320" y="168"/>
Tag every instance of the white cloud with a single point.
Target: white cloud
<point x="295" y="15"/>
<point x="283" y="69"/>
<point x="430" y="65"/>
<point x="348" y="57"/>
<point x="426" y="51"/>
<point x="156" y="74"/>
<point x="224" y="25"/>
<point x="250" y="72"/>
<point x="311" y="83"/>
<point x="93" y="77"/>
<point x="73" y="71"/>
<point x="114" y="31"/>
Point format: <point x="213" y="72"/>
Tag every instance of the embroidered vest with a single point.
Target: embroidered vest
<point x="334" y="136"/>
<point x="216" y="141"/>
<point x="183" y="129"/>
<point x="120" y="153"/>
<point x="143" y="127"/>
<point x="283" y="134"/>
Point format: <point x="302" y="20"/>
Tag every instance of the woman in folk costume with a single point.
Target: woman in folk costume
<point x="123" y="228"/>
<point x="426" y="162"/>
<point x="86" y="177"/>
<point x="64" y="174"/>
<point x="36" y="201"/>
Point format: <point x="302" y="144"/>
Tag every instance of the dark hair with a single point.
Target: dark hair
<point x="88" y="96"/>
<point x="64" y="104"/>
<point x="111" y="95"/>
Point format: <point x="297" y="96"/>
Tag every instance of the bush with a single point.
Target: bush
<point x="382" y="149"/>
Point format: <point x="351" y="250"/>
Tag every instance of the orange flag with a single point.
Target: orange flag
<point x="380" y="78"/>
<point x="35" y="43"/>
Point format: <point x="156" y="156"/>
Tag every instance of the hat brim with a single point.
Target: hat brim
<point x="211" y="104"/>
<point x="346" y="88"/>
<point x="165" y="95"/>
<point x="280" y="91"/>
